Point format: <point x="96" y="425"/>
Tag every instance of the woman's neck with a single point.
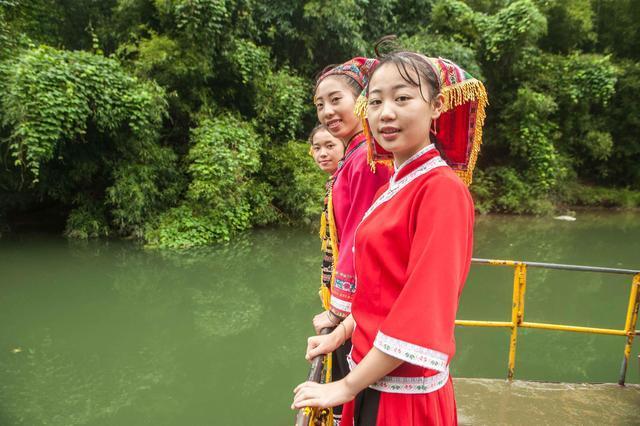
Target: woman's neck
<point x="347" y="141"/>
<point x="401" y="158"/>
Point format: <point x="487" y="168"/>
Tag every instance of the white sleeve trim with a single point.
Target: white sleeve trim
<point x="413" y="354"/>
<point x="340" y="304"/>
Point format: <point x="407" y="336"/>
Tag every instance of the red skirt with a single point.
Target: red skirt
<point x="401" y="409"/>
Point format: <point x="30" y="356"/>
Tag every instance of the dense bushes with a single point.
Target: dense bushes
<point x="180" y="122"/>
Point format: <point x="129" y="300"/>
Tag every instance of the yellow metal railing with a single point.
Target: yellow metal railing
<point x="517" y="309"/>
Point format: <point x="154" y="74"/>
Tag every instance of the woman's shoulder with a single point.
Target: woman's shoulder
<point x="358" y="164"/>
<point x="444" y="181"/>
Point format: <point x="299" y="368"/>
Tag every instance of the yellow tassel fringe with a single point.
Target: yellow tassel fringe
<point x="458" y="94"/>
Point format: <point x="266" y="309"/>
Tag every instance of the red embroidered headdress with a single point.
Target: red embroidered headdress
<point x="358" y="68"/>
<point x="459" y="127"/>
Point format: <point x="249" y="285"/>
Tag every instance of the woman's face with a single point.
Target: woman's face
<point x="334" y="106"/>
<point x="398" y="115"/>
<point x="327" y="151"/>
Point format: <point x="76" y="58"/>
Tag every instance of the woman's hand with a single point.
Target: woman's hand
<point x="311" y="394"/>
<point x="322" y="320"/>
<point x="320" y="345"/>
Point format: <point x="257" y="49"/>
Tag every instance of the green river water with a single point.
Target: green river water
<point x="110" y="333"/>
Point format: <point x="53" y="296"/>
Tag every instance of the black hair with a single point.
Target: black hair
<point x="314" y="131"/>
<point x="415" y="69"/>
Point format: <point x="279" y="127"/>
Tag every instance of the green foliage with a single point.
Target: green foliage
<point x="56" y="104"/>
<point x="501" y="189"/>
<point x="202" y="20"/>
<point x="570" y="25"/>
<point x="456" y="20"/>
<point x="184" y="131"/>
<point x="531" y="142"/>
<point x="623" y="122"/>
<point x="342" y="19"/>
<point x="51" y="96"/>
<point x="281" y="102"/>
<point x="221" y="199"/>
<point x="88" y="220"/>
<point x="298" y="183"/>
<point x="617" y="27"/>
<point x="248" y="60"/>
<point x="142" y="189"/>
<point x="593" y="196"/>
<point x="516" y="26"/>
<point x="441" y="46"/>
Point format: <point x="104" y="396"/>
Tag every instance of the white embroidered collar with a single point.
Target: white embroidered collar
<point x="396" y="186"/>
<point x="409" y="161"/>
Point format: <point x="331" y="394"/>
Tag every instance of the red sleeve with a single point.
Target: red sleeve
<point x="419" y="328"/>
<point x="363" y="186"/>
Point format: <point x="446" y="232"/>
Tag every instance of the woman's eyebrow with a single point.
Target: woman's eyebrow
<point x="396" y="87"/>
<point x="330" y="94"/>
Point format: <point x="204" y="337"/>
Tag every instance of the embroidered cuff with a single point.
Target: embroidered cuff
<point x="340" y="307"/>
<point x="397" y="384"/>
<point x="413" y="354"/>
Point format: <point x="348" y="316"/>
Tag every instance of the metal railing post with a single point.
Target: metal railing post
<point x="630" y="326"/>
<point x="517" y="313"/>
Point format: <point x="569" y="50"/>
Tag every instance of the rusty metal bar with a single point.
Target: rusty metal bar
<point x="518" y="278"/>
<point x="472" y="323"/>
<point x="577" y="329"/>
<point x="630" y="326"/>
<point x="497" y="262"/>
<point x="518" y="299"/>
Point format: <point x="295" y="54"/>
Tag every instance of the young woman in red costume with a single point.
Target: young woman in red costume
<point x="350" y="193"/>
<point x="326" y="149"/>
<point x="412" y="248"/>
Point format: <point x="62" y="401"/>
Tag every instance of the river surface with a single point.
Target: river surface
<point x="110" y="333"/>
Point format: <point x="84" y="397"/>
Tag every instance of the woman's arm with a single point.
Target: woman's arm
<point x="375" y="365"/>
<point x="320" y="345"/>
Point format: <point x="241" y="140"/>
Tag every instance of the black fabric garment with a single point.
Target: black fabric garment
<point x="366" y="408"/>
<point x="339" y="369"/>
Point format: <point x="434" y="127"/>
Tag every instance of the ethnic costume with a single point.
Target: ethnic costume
<point x="351" y="191"/>
<point x="412" y="255"/>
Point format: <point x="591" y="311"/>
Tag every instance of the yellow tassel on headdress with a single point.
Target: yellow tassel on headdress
<point x="471" y="90"/>
<point x="360" y="107"/>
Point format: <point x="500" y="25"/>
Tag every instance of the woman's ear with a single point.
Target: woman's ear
<point x="437" y="104"/>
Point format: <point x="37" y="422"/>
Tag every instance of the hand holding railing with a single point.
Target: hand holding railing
<point x="311" y="416"/>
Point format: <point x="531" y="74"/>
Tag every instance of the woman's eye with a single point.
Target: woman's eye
<point x="318" y="106"/>
<point x="374" y="102"/>
<point x="330" y="146"/>
<point x="402" y="98"/>
<point x="336" y="99"/>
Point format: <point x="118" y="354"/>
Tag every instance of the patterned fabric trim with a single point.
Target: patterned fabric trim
<point x="345" y="285"/>
<point x="397" y="384"/>
<point x="395" y="187"/>
<point x="414" y="354"/>
<point x="410" y="160"/>
<point x="340" y="305"/>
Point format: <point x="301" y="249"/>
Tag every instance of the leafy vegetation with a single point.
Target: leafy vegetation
<point x="180" y="122"/>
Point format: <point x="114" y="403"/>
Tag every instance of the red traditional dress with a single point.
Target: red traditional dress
<point x="412" y="255"/>
<point x="354" y="188"/>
